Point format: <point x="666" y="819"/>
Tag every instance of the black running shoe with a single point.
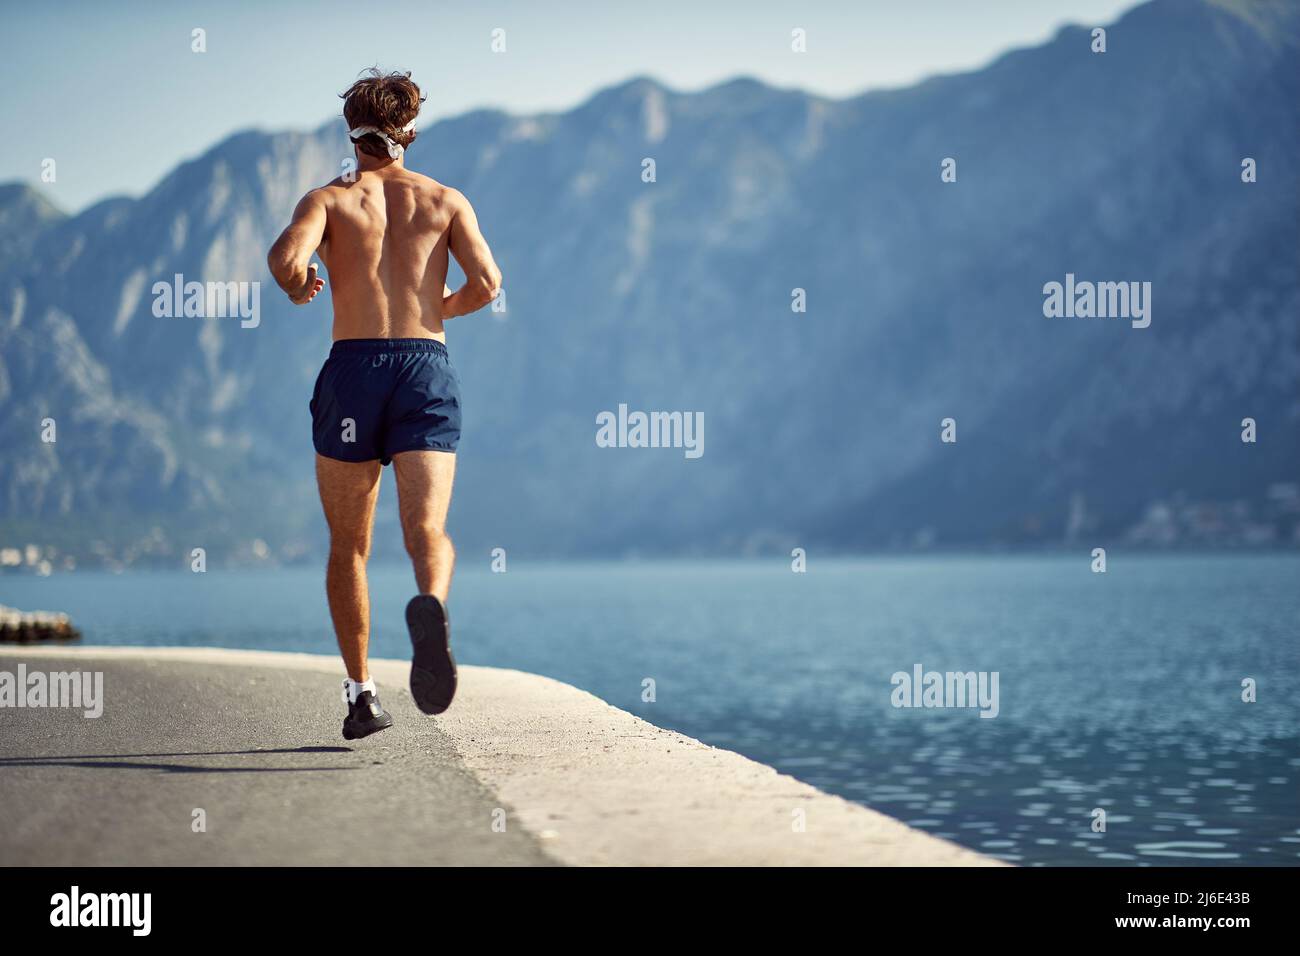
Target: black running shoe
<point x="365" y="717"/>
<point x="433" y="669"/>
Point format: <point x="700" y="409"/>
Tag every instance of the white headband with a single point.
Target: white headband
<point x="394" y="149"/>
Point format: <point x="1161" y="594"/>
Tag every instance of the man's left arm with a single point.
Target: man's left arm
<point x="290" y="256"/>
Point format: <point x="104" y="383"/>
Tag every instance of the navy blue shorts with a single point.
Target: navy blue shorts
<point x="377" y="397"/>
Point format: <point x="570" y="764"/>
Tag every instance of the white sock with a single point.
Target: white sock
<point x="352" y="689"/>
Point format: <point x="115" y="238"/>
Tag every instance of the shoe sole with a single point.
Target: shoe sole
<point x="433" y="669"/>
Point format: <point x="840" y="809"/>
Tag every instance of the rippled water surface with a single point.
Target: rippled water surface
<point x="1119" y="691"/>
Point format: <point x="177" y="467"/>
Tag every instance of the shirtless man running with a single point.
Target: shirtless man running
<point x="388" y="391"/>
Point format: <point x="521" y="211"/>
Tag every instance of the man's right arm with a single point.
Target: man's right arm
<point x="290" y="257"/>
<point x="466" y="242"/>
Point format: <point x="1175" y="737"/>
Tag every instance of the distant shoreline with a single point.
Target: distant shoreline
<point x="1080" y="552"/>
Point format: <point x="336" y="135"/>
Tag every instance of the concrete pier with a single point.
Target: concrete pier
<point x="208" y="756"/>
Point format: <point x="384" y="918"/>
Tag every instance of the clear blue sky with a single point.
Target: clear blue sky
<point x="111" y="90"/>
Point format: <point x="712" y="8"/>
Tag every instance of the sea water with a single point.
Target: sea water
<point x="1119" y="692"/>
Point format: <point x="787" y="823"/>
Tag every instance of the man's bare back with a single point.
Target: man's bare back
<point x="384" y="238"/>
<point x="385" y="246"/>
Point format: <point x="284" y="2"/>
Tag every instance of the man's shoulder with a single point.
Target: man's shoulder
<point x="319" y="196"/>
<point x="331" y="187"/>
<point x="436" y="191"/>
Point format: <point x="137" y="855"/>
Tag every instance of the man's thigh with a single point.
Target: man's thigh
<point x="348" y="491"/>
<point x="424" y="480"/>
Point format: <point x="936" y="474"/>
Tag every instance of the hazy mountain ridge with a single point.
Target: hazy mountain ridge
<point x="924" y="301"/>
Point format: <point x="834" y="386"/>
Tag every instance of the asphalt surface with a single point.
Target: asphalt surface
<point x="258" y="749"/>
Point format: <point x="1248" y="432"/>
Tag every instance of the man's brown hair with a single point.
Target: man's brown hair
<point x="387" y="102"/>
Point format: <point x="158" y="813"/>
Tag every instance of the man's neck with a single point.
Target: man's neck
<point x="367" y="163"/>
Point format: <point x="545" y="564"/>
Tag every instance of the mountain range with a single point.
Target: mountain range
<point x="923" y="300"/>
